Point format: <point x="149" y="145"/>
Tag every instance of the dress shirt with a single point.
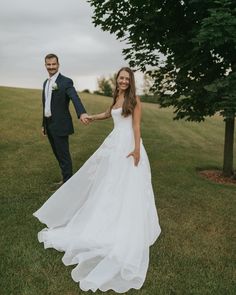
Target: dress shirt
<point x="48" y="94"/>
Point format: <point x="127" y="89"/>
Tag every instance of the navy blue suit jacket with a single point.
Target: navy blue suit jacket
<point x="61" y="120"/>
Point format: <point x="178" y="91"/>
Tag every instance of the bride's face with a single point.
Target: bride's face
<point x="123" y="80"/>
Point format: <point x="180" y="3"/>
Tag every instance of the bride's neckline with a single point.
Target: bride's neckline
<point x="116" y="102"/>
<point x="116" y="108"/>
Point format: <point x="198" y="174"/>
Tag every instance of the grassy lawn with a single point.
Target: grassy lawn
<point x="195" y="253"/>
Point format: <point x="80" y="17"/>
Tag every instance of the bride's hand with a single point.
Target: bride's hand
<point x="136" y="155"/>
<point x="90" y="118"/>
<point x="43" y="131"/>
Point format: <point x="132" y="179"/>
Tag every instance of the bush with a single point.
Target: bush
<point x="86" y="91"/>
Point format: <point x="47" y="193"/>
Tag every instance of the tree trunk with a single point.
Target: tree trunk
<point x="228" y="169"/>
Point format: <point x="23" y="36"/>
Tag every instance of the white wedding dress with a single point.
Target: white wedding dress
<point x="104" y="218"/>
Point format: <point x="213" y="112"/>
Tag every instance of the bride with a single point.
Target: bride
<point x="104" y="218"/>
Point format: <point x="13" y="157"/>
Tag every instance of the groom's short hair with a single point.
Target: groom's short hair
<point x="51" y="55"/>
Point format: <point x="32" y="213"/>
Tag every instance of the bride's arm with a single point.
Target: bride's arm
<point x="101" y="116"/>
<point x="137" y="132"/>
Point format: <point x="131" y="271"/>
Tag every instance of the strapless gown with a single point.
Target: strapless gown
<point x="104" y="218"/>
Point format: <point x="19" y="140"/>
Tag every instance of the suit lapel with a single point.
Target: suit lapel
<point x="43" y="94"/>
<point x="57" y="81"/>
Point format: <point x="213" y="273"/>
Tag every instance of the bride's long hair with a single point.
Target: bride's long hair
<point x="130" y="93"/>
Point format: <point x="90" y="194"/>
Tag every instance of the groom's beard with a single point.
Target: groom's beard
<point x="52" y="72"/>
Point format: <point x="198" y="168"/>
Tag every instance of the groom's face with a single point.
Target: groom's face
<point x="52" y="66"/>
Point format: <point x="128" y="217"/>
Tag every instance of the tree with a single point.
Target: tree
<point x="112" y="81"/>
<point x="147" y="84"/>
<point x="104" y="86"/>
<point x="86" y="91"/>
<point x="198" y="40"/>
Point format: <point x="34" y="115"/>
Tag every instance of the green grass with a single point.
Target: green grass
<point x="195" y="253"/>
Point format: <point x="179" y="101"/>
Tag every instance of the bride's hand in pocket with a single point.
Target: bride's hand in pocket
<point x="136" y="155"/>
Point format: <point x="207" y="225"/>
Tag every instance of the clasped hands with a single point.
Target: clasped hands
<point x="85" y="119"/>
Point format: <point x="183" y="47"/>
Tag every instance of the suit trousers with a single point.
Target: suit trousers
<point x="60" y="147"/>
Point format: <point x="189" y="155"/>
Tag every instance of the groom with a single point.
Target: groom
<point x="57" y="124"/>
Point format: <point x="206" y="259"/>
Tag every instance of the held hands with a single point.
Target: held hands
<point x="43" y="131"/>
<point x="84" y="118"/>
<point x="136" y="155"/>
<point x="91" y="118"/>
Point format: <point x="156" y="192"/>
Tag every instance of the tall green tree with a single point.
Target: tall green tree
<point x="197" y="39"/>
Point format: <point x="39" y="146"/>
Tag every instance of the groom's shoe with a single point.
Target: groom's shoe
<point x="56" y="185"/>
<point x="59" y="183"/>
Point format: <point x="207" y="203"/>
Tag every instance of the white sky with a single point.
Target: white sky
<point x="30" y="29"/>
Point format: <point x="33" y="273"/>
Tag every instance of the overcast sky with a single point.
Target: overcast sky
<point x="30" y="29"/>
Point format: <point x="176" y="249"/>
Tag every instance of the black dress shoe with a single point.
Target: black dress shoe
<point x="55" y="185"/>
<point x="59" y="183"/>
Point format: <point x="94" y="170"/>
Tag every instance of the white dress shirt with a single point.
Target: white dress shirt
<point x="48" y="94"/>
